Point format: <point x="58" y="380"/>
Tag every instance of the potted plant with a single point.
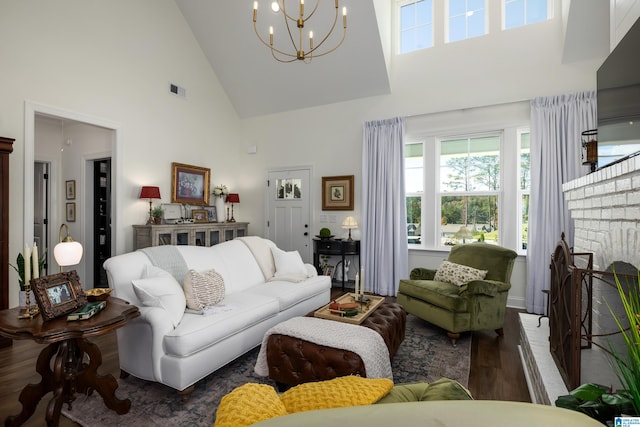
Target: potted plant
<point x="157" y="213"/>
<point x="19" y="268"/>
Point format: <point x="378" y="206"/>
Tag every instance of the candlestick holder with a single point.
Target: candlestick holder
<point x="28" y="312"/>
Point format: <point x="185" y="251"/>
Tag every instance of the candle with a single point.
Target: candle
<point x="362" y="281"/>
<point x="34" y="258"/>
<point x="27" y="265"/>
<point x="357" y="284"/>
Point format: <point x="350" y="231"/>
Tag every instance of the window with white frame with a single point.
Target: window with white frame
<point x="524" y="187"/>
<point x="416" y="25"/>
<point x="517" y="13"/>
<point x="414" y="189"/>
<point x="469" y="189"/>
<point x="466" y="19"/>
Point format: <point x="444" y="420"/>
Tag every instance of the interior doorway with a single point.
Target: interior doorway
<point x="41" y="207"/>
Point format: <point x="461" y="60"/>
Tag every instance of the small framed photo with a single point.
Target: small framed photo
<point x="71" y="212"/>
<point x="337" y="193"/>
<point x="58" y="294"/>
<point x="189" y="184"/>
<point x="212" y="214"/>
<point x="71" y="189"/>
<point x="328" y="270"/>
<point x="200" y="215"/>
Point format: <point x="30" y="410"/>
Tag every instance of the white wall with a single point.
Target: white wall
<point x="113" y="61"/>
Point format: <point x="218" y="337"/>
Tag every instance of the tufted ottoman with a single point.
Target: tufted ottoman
<point x="294" y="361"/>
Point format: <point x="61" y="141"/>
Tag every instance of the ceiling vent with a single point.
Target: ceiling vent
<point x="177" y="90"/>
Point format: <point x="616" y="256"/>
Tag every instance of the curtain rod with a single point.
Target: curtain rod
<point x="411" y="116"/>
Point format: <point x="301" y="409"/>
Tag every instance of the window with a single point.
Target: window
<point x="416" y="25"/>
<point x="466" y="19"/>
<point x="414" y="189"/>
<point x="522" y="12"/>
<point x="525" y="186"/>
<point x="469" y="182"/>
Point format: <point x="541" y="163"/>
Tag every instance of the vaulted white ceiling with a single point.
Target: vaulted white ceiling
<point x="257" y="84"/>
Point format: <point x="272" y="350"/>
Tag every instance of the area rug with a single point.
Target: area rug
<point x="426" y="354"/>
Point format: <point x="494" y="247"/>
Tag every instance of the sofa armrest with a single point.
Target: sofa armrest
<point x="311" y="270"/>
<point x="422" y="274"/>
<point x="489" y="288"/>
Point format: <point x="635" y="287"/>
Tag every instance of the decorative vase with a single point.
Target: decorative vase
<point x="220" y="208"/>
<point x="22" y="299"/>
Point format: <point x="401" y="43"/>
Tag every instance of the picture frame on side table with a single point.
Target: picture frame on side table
<point x="58" y="294"/>
<point x="200" y="215"/>
<point x="211" y="214"/>
<point x="71" y="212"/>
<point x="337" y="193"/>
<point x="189" y="184"/>
<point x="71" y="189"/>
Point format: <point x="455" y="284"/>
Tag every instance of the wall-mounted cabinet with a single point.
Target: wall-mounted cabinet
<point x="202" y="234"/>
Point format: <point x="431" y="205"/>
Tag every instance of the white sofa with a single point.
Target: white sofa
<point x="180" y="350"/>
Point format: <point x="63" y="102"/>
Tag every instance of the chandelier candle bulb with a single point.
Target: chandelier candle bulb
<point x="301" y="8"/>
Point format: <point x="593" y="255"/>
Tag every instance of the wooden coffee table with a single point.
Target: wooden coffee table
<point x="62" y="364"/>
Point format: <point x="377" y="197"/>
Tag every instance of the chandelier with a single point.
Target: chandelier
<point x="299" y="20"/>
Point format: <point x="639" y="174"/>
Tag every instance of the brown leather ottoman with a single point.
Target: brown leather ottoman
<point x="294" y="361"/>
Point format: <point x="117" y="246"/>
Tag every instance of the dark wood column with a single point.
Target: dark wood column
<point x="6" y="147"/>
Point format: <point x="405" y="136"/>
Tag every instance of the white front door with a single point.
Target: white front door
<point x="289" y="210"/>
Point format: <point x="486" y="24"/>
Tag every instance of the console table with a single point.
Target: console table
<point x="342" y="248"/>
<point x="69" y="363"/>
<point x="197" y="234"/>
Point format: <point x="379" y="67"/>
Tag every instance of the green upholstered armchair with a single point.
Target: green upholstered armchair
<point x="476" y="305"/>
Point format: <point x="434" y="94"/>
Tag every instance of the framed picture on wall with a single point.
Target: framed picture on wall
<point x="337" y="193"/>
<point x="71" y="212"/>
<point x="189" y="184"/>
<point x="71" y="189"/>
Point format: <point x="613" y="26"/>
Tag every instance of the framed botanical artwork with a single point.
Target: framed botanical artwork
<point x="71" y="212"/>
<point x="337" y="193"/>
<point x="71" y="189"/>
<point x="58" y="294"/>
<point x="200" y="215"/>
<point x="189" y="184"/>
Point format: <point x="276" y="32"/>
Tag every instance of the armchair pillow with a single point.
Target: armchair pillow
<point x="458" y="274"/>
<point x="158" y="288"/>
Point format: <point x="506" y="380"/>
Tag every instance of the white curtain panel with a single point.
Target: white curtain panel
<point x="557" y="123"/>
<point x="384" y="247"/>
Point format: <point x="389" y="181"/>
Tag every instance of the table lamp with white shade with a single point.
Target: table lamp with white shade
<point x="349" y="223"/>
<point x="68" y="251"/>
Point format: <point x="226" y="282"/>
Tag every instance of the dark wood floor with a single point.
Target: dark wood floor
<point x="496" y="371"/>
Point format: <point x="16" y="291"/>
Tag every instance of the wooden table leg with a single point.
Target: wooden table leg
<point x="106" y="385"/>
<point x="32" y="393"/>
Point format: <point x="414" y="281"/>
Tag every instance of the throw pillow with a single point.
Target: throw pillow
<point x="289" y="265"/>
<point x="249" y="404"/>
<point x="339" y="392"/>
<point x="158" y="288"/>
<point x="203" y="289"/>
<point x="458" y="274"/>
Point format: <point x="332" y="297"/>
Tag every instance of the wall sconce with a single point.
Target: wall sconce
<point x="349" y="223"/>
<point x="232" y="198"/>
<point x="150" y="193"/>
<point x="68" y="251"/>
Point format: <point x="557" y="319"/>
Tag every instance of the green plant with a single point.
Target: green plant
<point x="597" y="401"/>
<point x="19" y="267"/>
<point x="325" y="232"/>
<point x="157" y="212"/>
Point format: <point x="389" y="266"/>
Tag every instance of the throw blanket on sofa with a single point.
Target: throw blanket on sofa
<point x="169" y="259"/>
<point x="365" y="342"/>
<point x="261" y="251"/>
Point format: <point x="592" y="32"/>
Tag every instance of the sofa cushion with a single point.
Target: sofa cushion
<point x="289" y="294"/>
<point x="158" y="288"/>
<point x="236" y="313"/>
<point x="203" y="289"/>
<point x="339" y="392"/>
<point x="289" y="265"/>
<point x="248" y="404"/>
<point x="442" y="294"/>
<point x="458" y="274"/>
